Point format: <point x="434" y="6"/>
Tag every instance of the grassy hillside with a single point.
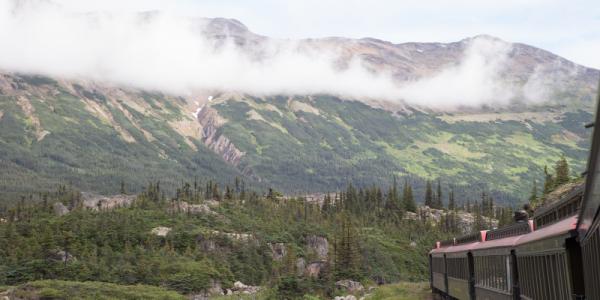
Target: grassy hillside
<point x="95" y="137"/>
<point x="323" y="142"/>
<point x="60" y="289"/>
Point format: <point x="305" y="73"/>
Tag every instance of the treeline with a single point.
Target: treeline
<point x="368" y="238"/>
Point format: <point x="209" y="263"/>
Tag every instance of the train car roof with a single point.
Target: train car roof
<point x="499" y="243"/>
<point x="558" y="228"/>
<point x="461" y="248"/>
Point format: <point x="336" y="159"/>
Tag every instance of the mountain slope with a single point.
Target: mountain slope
<point x="95" y="135"/>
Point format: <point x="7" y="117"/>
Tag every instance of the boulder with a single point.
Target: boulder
<point x="300" y="266"/>
<point x="278" y="251"/>
<point x="314" y="269"/>
<point x="349" y="286"/>
<point x="240" y="288"/>
<point x="347" y="297"/>
<point x="318" y="245"/>
<point x="160" y="231"/>
<point x="99" y="202"/>
<point x="184" y="207"/>
<point x="62" y="256"/>
<point x="60" y="209"/>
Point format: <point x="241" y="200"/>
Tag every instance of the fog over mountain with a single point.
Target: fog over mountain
<point x="184" y="56"/>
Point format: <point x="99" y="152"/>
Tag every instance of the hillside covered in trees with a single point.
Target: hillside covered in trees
<point x="205" y="238"/>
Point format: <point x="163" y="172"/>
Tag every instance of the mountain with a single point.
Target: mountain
<point x="95" y="135"/>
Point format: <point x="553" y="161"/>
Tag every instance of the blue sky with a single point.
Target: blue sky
<point x="568" y="28"/>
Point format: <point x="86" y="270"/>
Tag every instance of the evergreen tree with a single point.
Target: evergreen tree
<point x="533" y="196"/>
<point x="451" y="204"/>
<point x="561" y="171"/>
<point x="408" y="199"/>
<point x="439" y="204"/>
<point x="428" y="194"/>
<point x="548" y="182"/>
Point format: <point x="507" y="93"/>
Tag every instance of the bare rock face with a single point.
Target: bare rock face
<point x="215" y="289"/>
<point x="60" y="209"/>
<point x="161" y="231"/>
<point x="210" y="121"/>
<point x="278" y="251"/>
<point x="99" y="202"/>
<point x="318" y="245"/>
<point x="349" y="286"/>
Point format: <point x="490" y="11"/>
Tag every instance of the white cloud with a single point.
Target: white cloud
<point x="166" y="52"/>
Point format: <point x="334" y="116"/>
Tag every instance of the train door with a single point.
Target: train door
<point x="446" y="274"/>
<point x="430" y="271"/>
<point x="515" y="275"/>
<point x="471" y="262"/>
<point x="576" y="267"/>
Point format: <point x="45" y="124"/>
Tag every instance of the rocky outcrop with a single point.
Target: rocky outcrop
<point x="62" y="256"/>
<point x="60" y="209"/>
<point x="184" y="207"/>
<point x="300" y="266"/>
<point x="349" y="286"/>
<point x="464" y="220"/>
<point x="318" y="245"/>
<point x="160" y="231"/>
<point x="240" y="288"/>
<point x="278" y="251"/>
<point x="98" y="202"/>
<point x="210" y="121"/>
<point x="314" y="269"/>
<point x="347" y="297"/>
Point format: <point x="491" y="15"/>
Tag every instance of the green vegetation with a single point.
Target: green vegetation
<point x="95" y="140"/>
<point x="59" y="289"/>
<point x="368" y="241"/>
<point x="402" y="291"/>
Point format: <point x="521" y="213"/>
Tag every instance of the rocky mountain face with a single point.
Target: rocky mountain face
<point x="95" y="135"/>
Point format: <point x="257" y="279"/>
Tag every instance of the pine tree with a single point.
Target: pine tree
<point x="347" y="262"/>
<point x="428" y="194"/>
<point x="438" y="203"/>
<point x="548" y="182"/>
<point x="451" y="204"/>
<point x="533" y="196"/>
<point x="408" y="199"/>
<point x="561" y="171"/>
<point x="122" y="189"/>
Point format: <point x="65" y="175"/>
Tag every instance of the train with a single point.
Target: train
<point x="555" y="254"/>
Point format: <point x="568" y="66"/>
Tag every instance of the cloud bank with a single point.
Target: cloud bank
<point x="160" y="51"/>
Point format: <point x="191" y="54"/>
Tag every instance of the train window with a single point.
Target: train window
<point x="493" y="272"/>
<point x="437" y="264"/>
<point x="544" y="276"/>
<point x="458" y="268"/>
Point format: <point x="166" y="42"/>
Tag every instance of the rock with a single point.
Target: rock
<point x="300" y="266"/>
<point x="161" y="231"/>
<point x="184" y="207"/>
<point x="228" y="292"/>
<point x="215" y="288"/>
<point x="413" y="244"/>
<point x="314" y="269"/>
<point x="278" y="251"/>
<point x="464" y="220"/>
<point x="349" y="285"/>
<point x="63" y="256"/>
<point x="318" y="245"/>
<point x="239" y="287"/>
<point x="60" y="209"/>
<point x="99" y="202"/>
<point x="348" y="297"/>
